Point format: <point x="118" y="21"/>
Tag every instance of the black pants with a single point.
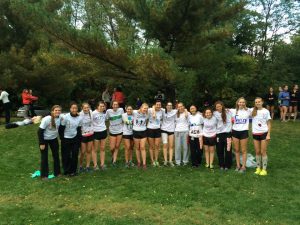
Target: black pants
<point x="44" y="158"/>
<point x="69" y="153"/>
<point x="31" y="111"/>
<point x="224" y="156"/>
<point x="196" y="152"/>
<point x="6" y="107"/>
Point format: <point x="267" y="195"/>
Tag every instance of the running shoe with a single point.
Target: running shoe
<point x="171" y="164"/>
<point x="157" y="163"/>
<point x="144" y="167"/>
<point x="237" y="169"/>
<point x="206" y="165"/>
<point x="263" y="173"/>
<point x="96" y="168"/>
<point x="242" y="170"/>
<point x="131" y="164"/>
<point x="81" y="170"/>
<point x="257" y="171"/>
<point x="165" y="163"/>
<point x="88" y="169"/>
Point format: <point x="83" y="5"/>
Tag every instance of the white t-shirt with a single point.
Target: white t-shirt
<point x="139" y="121"/>
<point x="115" y="120"/>
<point x="182" y="123"/>
<point x="127" y="124"/>
<point x="210" y="127"/>
<point x="168" y="123"/>
<point x="259" y="122"/>
<point x="155" y="122"/>
<point x="50" y="132"/>
<point x="196" y="122"/>
<point x="87" y="124"/>
<point x="240" y="119"/>
<point x="71" y="123"/>
<point x="4" y="97"/>
<point x="223" y="127"/>
<point x="24" y="122"/>
<point x="98" y="121"/>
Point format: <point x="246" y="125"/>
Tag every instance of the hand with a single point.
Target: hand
<point x="268" y="137"/>
<point x="42" y="147"/>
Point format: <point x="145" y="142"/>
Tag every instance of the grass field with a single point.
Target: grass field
<point x="156" y="196"/>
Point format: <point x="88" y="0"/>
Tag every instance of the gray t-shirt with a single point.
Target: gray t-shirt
<point x="115" y="120"/>
<point x="50" y="132"/>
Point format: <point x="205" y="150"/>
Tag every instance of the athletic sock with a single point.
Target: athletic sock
<point x="258" y="161"/>
<point x="265" y="162"/>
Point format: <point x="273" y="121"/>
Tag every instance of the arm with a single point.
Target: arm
<point x="1" y="96"/>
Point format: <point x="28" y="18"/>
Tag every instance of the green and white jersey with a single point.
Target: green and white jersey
<point x="115" y="120"/>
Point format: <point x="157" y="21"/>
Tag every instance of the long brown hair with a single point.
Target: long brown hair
<point x="223" y="113"/>
<point x="237" y="104"/>
<point x="84" y="104"/>
<point x="254" y="112"/>
<point x="53" y="124"/>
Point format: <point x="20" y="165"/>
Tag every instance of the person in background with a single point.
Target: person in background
<point x="119" y="97"/>
<point x="6" y="105"/>
<point x="294" y="98"/>
<point x="27" y="98"/>
<point x="159" y="96"/>
<point x="280" y="109"/>
<point x="207" y="101"/>
<point x="106" y="96"/>
<point x="32" y="100"/>
<point x="47" y="135"/>
<point x="138" y="103"/>
<point x="270" y="101"/>
<point x="284" y="96"/>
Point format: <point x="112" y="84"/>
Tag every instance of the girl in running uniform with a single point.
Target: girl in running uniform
<point x="139" y="128"/>
<point x="47" y="134"/>
<point x="294" y="99"/>
<point x="181" y="135"/>
<point x="284" y="96"/>
<point x="128" y="136"/>
<point x="167" y="133"/>
<point x="114" y="116"/>
<point x="87" y="137"/>
<point x="195" y="136"/>
<point x="223" y="136"/>
<point x="209" y="136"/>
<point x="261" y="128"/>
<point x="153" y="131"/>
<point x="270" y="101"/>
<point x="240" y="116"/>
<point x="70" y="134"/>
<point x="100" y="134"/>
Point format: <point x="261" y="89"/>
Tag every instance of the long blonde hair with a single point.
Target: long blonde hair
<point x="237" y="104"/>
<point x="254" y="112"/>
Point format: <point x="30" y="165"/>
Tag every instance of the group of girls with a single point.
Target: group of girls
<point x="288" y="102"/>
<point x="190" y="131"/>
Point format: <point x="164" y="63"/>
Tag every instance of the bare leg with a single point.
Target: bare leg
<point x="244" y="143"/>
<point x="127" y="147"/>
<point x="117" y="147"/>
<point x="94" y="152"/>
<point x="137" y="150"/>
<point x="157" y="148"/>
<point x="88" y="153"/>
<point x="211" y="155"/>
<point x="151" y="148"/>
<point x="143" y="150"/>
<point x="102" y="152"/>
<point x="171" y="147"/>
<point x="81" y="155"/>
<point x="206" y="149"/>
<point x="112" y="146"/>
<point x="236" y="145"/>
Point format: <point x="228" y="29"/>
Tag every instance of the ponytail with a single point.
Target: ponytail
<point x="53" y="124"/>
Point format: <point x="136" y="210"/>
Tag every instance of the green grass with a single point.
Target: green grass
<point x="156" y="196"/>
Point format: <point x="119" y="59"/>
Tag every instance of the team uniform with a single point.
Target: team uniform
<point x="115" y="121"/>
<point x="70" y="133"/>
<point x="259" y="124"/>
<point x="99" y="126"/>
<point x="153" y="127"/>
<point x="210" y="131"/>
<point x="195" y="132"/>
<point x="240" y="126"/>
<point x="139" y="127"/>
<point x="47" y="135"/>
<point x="127" y="126"/>
<point x="87" y="127"/>
<point x="168" y="125"/>
<point x="181" y="136"/>
<point x="223" y="144"/>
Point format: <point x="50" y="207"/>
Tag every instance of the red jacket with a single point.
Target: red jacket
<point x="28" y="98"/>
<point x="119" y="97"/>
